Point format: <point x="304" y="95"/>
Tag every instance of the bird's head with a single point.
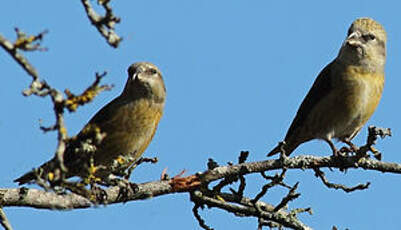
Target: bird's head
<point x="365" y="45"/>
<point x="145" y="80"/>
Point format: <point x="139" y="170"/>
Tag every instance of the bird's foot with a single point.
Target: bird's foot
<point x="95" y="194"/>
<point x="126" y="188"/>
<point x="338" y="153"/>
<point x="345" y="151"/>
<point x="352" y="146"/>
<point x="284" y="159"/>
<point x="98" y="195"/>
<point x="376" y="153"/>
<point x="363" y="151"/>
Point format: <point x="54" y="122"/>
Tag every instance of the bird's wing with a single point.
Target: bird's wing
<point x="320" y="89"/>
<point x="101" y="119"/>
<point x="103" y="115"/>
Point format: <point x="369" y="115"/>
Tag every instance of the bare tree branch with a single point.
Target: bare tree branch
<point x="275" y="180"/>
<point x="278" y="217"/>
<point x="42" y="89"/>
<point x="72" y="102"/>
<point x="29" y="197"/>
<point x="201" y="222"/>
<point x="290" y="196"/>
<point x="326" y="182"/>
<point x="104" y="24"/>
<point x="374" y="133"/>
<point x="18" y="57"/>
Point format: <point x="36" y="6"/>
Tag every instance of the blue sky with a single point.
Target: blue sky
<point x="235" y="72"/>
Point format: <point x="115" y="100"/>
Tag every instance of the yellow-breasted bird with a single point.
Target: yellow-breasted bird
<point x="346" y="92"/>
<point x="127" y="124"/>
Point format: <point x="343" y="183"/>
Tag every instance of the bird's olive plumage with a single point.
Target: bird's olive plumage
<point x="346" y="92"/>
<point x="127" y="125"/>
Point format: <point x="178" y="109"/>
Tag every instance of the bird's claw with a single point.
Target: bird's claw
<point x="98" y="195"/>
<point x="126" y="189"/>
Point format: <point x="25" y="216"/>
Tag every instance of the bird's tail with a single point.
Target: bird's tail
<point x="30" y="176"/>
<point x="27" y="177"/>
<point x="283" y="146"/>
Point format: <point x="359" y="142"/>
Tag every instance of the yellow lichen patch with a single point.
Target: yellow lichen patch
<point x="63" y="130"/>
<point x="120" y="160"/>
<point x="91" y="174"/>
<point x="22" y="41"/>
<point x="50" y="176"/>
<point x="220" y="198"/>
<point x="87" y="96"/>
<point x="28" y="43"/>
<point x="92" y="169"/>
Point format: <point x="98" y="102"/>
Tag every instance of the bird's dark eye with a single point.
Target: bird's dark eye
<point x="152" y="71"/>
<point x="369" y="37"/>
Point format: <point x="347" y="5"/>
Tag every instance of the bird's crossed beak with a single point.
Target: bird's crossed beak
<point x="354" y="39"/>
<point x="134" y="77"/>
<point x="137" y="75"/>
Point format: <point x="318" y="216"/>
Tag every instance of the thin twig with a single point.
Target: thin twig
<point x="104" y="24"/>
<point x="18" y="57"/>
<point x="241" y="188"/>
<point x="290" y="196"/>
<point x="158" y="188"/>
<point x="42" y="89"/>
<point x="373" y="133"/>
<point x="4" y="221"/>
<point x="287" y="221"/>
<point x="72" y="102"/>
<point x="140" y="161"/>
<point x="319" y="173"/>
<point x="201" y="221"/>
<point x="275" y="180"/>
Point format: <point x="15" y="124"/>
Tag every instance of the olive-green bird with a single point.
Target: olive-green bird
<point x="346" y="92"/>
<point x="127" y="124"/>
